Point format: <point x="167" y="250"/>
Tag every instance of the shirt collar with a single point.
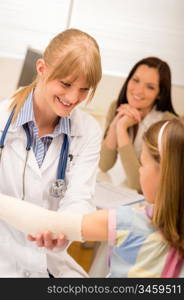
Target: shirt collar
<point x="26" y="115"/>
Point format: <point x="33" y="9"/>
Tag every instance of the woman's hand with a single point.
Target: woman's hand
<point x="44" y="239"/>
<point x="117" y="135"/>
<point x="127" y="117"/>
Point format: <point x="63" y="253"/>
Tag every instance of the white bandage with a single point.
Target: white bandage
<point x="31" y="219"/>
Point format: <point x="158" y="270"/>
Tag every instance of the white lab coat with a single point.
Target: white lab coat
<point x="18" y="256"/>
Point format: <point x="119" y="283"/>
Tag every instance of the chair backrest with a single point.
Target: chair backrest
<point x="28" y="72"/>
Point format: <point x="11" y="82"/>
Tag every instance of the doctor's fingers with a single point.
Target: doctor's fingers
<point x="45" y="240"/>
<point x="61" y="241"/>
<point x="48" y="241"/>
<point x="39" y="239"/>
<point x="42" y="239"/>
<point x="31" y="238"/>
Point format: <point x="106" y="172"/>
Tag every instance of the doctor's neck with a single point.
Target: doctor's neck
<point x="45" y="118"/>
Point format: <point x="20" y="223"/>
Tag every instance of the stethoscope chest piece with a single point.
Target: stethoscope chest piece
<point x="58" y="188"/>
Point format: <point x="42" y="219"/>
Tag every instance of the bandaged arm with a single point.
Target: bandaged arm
<point x="31" y="219"/>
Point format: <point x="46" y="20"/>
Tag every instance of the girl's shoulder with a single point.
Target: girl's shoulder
<point x="134" y="218"/>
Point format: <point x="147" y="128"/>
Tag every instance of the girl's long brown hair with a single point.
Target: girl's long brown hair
<point x="168" y="213"/>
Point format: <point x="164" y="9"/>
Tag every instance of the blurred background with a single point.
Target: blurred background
<point x="126" y="31"/>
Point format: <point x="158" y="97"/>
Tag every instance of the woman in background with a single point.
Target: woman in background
<point x="144" y="99"/>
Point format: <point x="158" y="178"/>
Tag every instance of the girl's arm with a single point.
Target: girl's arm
<point x="95" y="226"/>
<point x="32" y="219"/>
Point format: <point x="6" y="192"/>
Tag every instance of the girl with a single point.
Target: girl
<point x="146" y="241"/>
<point x="42" y="135"/>
<point x="144" y="99"/>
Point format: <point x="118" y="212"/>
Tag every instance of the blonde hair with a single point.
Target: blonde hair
<point x="168" y="213"/>
<point x="71" y="52"/>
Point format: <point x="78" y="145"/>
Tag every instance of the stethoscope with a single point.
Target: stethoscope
<point x="58" y="187"/>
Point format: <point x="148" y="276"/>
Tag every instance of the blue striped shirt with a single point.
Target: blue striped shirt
<point x="40" y="145"/>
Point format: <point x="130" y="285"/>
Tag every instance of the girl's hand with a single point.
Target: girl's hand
<point x="44" y="239"/>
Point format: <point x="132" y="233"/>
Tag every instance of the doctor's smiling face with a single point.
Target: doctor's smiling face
<point x="68" y="73"/>
<point x="60" y="96"/>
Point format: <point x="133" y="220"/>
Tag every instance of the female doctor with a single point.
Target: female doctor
<point x="49" y="152"/>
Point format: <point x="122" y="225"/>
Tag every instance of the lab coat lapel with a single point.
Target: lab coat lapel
<point x="17" y="140"/>
<point x="52" y="154"/>
<point x="18" y="145"/>
<point x="54" y="150"/>
<point x="77" y="128"/>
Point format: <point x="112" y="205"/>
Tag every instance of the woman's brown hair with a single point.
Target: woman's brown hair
<point x="164" y="101"/>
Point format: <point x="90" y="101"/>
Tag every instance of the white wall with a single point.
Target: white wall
<point x="126" y="30"/>
<point x="32" y="23"/>
<point x="9" y="73"/>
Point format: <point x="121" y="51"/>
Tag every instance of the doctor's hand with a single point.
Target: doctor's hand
<point x="44" y="239"/>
